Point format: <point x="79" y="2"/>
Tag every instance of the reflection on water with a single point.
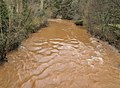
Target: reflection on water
<point x="62" y="55"/>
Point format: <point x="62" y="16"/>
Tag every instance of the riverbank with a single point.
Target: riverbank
<point x="13" y="39"/>
<point x="18" y="20"/>
<point x="110" y="34"/>
<point x="21" y="35"/>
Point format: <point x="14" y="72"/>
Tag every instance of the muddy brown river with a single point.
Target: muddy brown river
<point x="62" y="55"/>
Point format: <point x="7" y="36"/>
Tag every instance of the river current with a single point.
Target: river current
<point x="61" y="55"/>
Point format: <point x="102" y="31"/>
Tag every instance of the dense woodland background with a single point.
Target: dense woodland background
<point x="18" y="18"/>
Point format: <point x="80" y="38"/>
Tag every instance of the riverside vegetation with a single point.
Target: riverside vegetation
<point x="18" y="18"/>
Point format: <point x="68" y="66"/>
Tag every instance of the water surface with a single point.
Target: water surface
<point x="62" y="55"/>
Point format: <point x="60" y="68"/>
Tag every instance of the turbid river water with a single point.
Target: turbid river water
<point x="61" y="55"/>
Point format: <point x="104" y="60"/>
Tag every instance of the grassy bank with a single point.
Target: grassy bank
<point x="102" y="19"/>
<point x="13" y="39"/>
<point x="110" y="34"/>
<point x="17" y="20"/>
